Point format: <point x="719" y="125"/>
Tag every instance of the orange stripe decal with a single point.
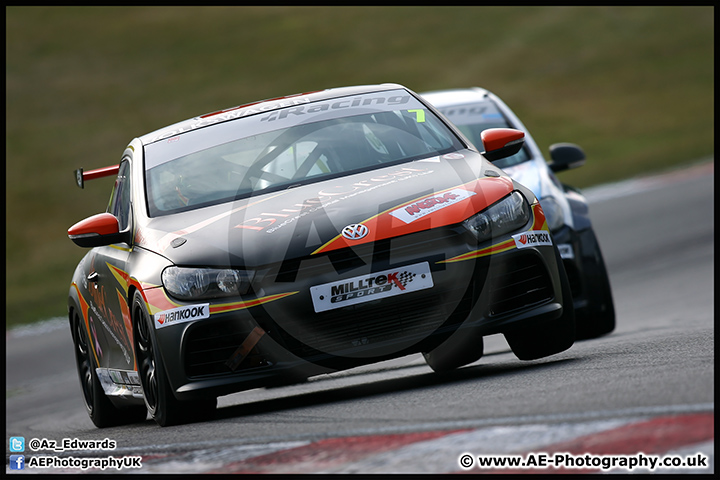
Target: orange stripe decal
<point x="158" y="301"/>
<point x="231" y="307"/>
<point x="499" y="248"/>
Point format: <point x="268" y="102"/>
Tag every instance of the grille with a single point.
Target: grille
<point x="209" y="346"/>
<point x="521" y="281"/>
<point x="353" y="326"/>
<point x="398" y="319"/>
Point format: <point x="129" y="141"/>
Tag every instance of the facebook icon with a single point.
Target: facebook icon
<point x="17" y="462"/>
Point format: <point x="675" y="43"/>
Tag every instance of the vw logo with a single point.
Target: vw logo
<point x="356" y="231"/>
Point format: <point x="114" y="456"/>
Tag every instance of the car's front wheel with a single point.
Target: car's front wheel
<point x="99" y="408"/>
<point x="164" y="408"/>
<point x="462" y="348"/>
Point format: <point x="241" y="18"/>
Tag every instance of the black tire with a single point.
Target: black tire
<point x="160" y="400"/>
<point x="547" y="338"/>
<point x="462" y="348"/>
<point x="99" y="408"/>
<point x="599" y="318"/>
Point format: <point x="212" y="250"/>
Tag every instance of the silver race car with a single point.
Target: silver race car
<point x="475" y="110"/>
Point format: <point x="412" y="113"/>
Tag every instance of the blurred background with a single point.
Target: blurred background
<point x="634" y="86"/>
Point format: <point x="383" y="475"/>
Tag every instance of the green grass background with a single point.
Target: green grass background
<point x="634" y="86"/>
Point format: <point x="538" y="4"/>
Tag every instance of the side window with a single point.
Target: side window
<point x="120" y="199"/>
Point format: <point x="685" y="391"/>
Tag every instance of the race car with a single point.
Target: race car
<point x="264" y="244"/>
<point x="474" y="110"/>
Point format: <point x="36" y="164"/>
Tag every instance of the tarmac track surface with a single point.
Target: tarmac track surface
<point x="645" y="390"/>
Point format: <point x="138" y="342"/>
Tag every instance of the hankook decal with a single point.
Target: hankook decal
<point x="182" y="315"/>
<point x="533" y="238"/>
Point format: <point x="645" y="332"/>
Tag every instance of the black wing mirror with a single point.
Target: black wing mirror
<point x="98" y="230"/>
<point x="565" y="156"/>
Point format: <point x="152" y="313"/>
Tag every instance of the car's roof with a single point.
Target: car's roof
<point x="260" y="107"/>
<point x="456" y="96"/>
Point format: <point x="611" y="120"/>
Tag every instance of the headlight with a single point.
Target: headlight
<point x="201" y="283"/>
<point x="553" y="213"/>
<point x="507" y="215"/>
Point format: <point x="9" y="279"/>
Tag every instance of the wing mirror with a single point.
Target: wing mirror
<point x="565" y="156"/>
<point x="96" y="231"/>
<point x="501" y="142"/>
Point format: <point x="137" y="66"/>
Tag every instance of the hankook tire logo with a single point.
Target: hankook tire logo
<point x="356" y="231"/>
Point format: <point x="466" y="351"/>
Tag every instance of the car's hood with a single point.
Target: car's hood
<point x="310" y="219"/>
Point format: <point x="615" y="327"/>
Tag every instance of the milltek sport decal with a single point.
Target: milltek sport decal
<point x="181" y="315"/>
<point x="370" y="287"/>
<point x="533" y="238"/>
<point x="428" y="205"/>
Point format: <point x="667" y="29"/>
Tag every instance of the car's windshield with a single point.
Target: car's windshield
<point x="472" y="119"/>
<point x="291" y="146"/>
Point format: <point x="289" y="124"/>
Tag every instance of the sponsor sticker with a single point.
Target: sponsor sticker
<point x="428" y="205"/>
<point x="134" y="378"/>
<point x="373" y="286"/>
<point x="532" y="238"/>
<point x="182" y="315"/>
<point x="116" y="376"/>
<point x="566" y="251"/>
